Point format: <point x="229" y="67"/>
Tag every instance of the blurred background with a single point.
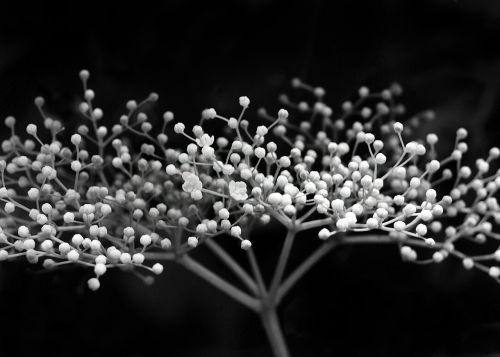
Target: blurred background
<point x="356" y="302"/>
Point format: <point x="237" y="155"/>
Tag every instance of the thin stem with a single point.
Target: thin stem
<point x="272" y="327"/>
<point x="232" y="264"/>
<point x="316" y="223"/>
<point x="326" y="247"/>
<point x="219" y="283"/>
<point x="304" y="267"/>
<point x="160" y="255"/>
<point x="284" y="220"/>
<point x="257" y="273"/>
<point x="282" y="262"/>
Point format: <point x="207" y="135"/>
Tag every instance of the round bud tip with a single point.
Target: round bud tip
<point x="296" y="82"/>
<point x="39" y="102"/>
<point x="244" y="101"/>
<point x="168" y="116"/>
<point x="282" y="114"/>
<point x="246" y="244"/>
<point x="398" y="127"/>
<point x="10" y="121"/>
<point x="84" y="74"/>
<point x="31" y="129"/>
<point x="157" y="268"/>
<point x="319" y="92"/>
<point x="93" y="284"/>
<point x="461" y="134"/>
<point x="363" y="92"/>
<point x="153" y="97"/>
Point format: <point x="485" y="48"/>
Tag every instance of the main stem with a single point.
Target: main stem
<point x="268" y="313"/>
<point x="274" y="334"/>
<point x="265" y="302"/>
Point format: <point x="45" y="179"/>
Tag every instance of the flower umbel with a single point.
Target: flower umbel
<point x="357" y="176"/>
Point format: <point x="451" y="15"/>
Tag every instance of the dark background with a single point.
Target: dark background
<point x="358" y="302"/>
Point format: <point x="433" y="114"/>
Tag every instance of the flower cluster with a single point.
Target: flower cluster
<point x="92" y="199"/>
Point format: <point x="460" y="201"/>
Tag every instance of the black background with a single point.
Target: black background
<point x="360" y="301"/>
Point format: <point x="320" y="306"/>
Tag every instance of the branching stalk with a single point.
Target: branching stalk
<point x="207" y="275"/>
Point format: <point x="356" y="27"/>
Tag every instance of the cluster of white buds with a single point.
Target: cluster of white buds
<point x="95" y="199"/>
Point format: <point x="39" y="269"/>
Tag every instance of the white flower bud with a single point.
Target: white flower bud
<point x="342" y="224"/>
<point x="100" y="269"/>
<point x="432" y="139"/>
<point x="73" y="255"/>
<point x="426" y="215"/>
<point x="421" y="229"/>
<point x="468" y="263"/>
<point x="461" y="134"/>
<point x="236" y="231"/>
<point x="337" y="205"/>
<point x="209" y="113"/>
<point x="380" y="159"/>
<point x="282" y="114"/>
<point x="409" y="209"/>
<point x="77" y="239"/>
<point x="171" y="170"/>
<point x="93" y="284"/>
<point x="69" y="217"/>
<point x="192" y="242"/>
<point x="157" y="268"/>
<point x="494" y="272"/>
<point x="345" y="192"/>
<point x="378" y="184"/>
<point x="399" y="226"/>
<point x="29" y="244"/>
<point x="324" y="234"/>
<point x="31" y="129"/>
<point x="398" y="127"/>
<point x="138" y="258"/>
<point x="438" y="257"/>
<point x="399" y="200"/>
<point x="224" y="213"/>
<point x="23" y="231"/>
<point x="179" y="128"/>
<point x="430" y="241"/>
<point x="434" y="165"/>
<point x="95" y="244"/>
<point x="244" y="101"/>
<point x="274" y="199"/>
<point x="145" y="240"/>
<point x="246" y="244"/>
<point x="64" y="248"/>
<point x="166" y="243"/>
<point x="414" y="182"/>
<point x="76" y="165"/>
<point x="9" y="207"/>
<point x="125" y="258"/>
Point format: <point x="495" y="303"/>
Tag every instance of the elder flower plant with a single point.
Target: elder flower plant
<point x="92" y="198"/>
